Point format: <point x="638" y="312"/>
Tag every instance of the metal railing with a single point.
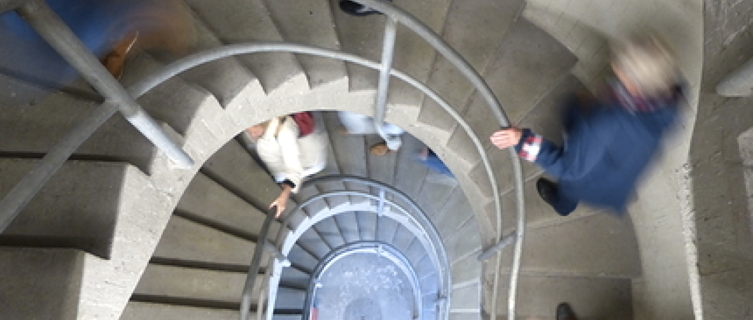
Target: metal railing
<point x="388" y="202"/>
<point x="55" y="32"/>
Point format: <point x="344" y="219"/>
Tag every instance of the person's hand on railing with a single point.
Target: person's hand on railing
<point x="281" y="200"/>
<point x="505" y="138"/>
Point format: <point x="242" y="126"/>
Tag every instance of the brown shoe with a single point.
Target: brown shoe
<point x="115" y="60"/>
<point x="380" y="149"/>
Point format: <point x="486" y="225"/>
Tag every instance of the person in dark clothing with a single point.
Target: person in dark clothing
<point x="609" y="142"/>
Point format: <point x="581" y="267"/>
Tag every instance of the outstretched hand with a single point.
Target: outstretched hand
<point x="281" y="201"/>
<point x="506" y="137"/>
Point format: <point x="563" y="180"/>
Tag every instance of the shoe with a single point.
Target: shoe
<point x="547" y="190"/>
<point x="379" y="149"/>
<point x="115" y="59"/>
<point x="564" y="312"/>
<point x="356" y="9"/>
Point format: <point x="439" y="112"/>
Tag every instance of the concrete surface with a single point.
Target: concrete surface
<point x="719" y="156"/>
<point x="364" y="286"/>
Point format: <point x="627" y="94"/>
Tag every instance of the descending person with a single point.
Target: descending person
<point x="288" y="157"/>
<point x="608" y="142"/>
<point x="356" y="123"/>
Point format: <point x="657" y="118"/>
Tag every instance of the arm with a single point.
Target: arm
<point x="282" y="200"/>
<point x="571" y="163"/>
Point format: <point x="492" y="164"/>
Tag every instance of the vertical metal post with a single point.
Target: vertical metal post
<point x="388" y="53"/>
<point x="69" y="46"/>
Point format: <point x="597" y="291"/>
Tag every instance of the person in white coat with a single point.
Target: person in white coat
<point x="288" y="157"/>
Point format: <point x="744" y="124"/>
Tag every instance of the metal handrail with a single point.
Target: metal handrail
<point x="383" y="249"/>
<point x="114" y="92"/>
<point x="253" y="269"/>
<point x="57" y="34"/>
<point x="415" y="25"/>
<point x="411" y="221"/>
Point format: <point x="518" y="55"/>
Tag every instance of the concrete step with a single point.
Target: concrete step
<point x="590" y="298"/>
<point x="367" y="225"/>
<point x="600" y="245"/>
<point x="311" y="23"/>
<point x="403" y="238"/>
<point x="189" y="243"/>
<point x="532" y="67"/>
<point x="149" y="310"/>
<point x="466" y="296"/>
<point x="84" y="214"/>
<point x="350" y="162"/>
<point x="348" y="226"/>
<point x="290" y="299"/>
<point x="255" y="185"/>
<point x="466" y="28"/>
<point x="292" y="277"/>
<point x="40" y="283"/>
<point x="465" y="240"/>
<point x="192" y="286"/>
<point x="313" y="243"/>
<point x="386" y="229"/>
<point x="251" y="21"/>
<point x="35" y="129"/>
<point x="415" y="251"/>
<point x="408" y="46"/>
<point x="207" y="201"/>
<point x="302" y="259"/>
<point x="361" y="36"/>
<point x="409" y="173"/>
<point x="187" y="101"/>
<point x="227" y="78"/>
<point x="330" y="231"/>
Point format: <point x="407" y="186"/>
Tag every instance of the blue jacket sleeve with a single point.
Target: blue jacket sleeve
<point x="570" y="162"/>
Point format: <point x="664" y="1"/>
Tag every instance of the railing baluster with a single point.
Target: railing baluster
<point x="388" y="53"/>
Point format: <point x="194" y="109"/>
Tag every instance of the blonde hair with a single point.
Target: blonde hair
<point x="647" y="62"/>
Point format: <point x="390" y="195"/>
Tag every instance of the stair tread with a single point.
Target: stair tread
<point x="136" y="310"/>
<point x="590" y="298"/>
<point x="191" y="242"/>
<point x="85" y="213"/>
<point x="596" y="245"/>
<point x="250" y="21"/>
<point x="41" y="278"/>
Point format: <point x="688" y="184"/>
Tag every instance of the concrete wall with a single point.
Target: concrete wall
<point x="662" y="219"/>
<point x="725" y="250"/>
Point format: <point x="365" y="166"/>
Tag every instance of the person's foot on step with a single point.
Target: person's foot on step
<point x="356" y="9"/>
<point x="115" y="59"/>
<point x="564" y="312"/>
<point x="380" y="149"/>
<point x="547" y="190"/>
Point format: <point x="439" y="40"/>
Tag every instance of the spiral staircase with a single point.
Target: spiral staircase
<point x="123" y="232"/>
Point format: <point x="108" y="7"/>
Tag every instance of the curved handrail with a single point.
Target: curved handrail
<point x="383" y="249"/>
<point x="439" y="257"/>
<point x="253" y="269"/>
<point x="453" y="57"/>
<point x="495" y="107"/>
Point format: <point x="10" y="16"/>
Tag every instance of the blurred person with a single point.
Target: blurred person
<point x="110" y="29"/>
<point x="357" y="9"/>
<point x="608" y="142"/>
<point x="438" y="171"/>
<point x="565" y="312"/>
<point x="355" y="123"/>
<point x="288" y="157"/>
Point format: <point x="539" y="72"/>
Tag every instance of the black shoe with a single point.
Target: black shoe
<point x="564" y="312"/>
<point x="547" y="190"/>
<point x="356" y="9"/>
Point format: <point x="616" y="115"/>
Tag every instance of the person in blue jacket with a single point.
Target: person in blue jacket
<point x="608" y="142"/>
